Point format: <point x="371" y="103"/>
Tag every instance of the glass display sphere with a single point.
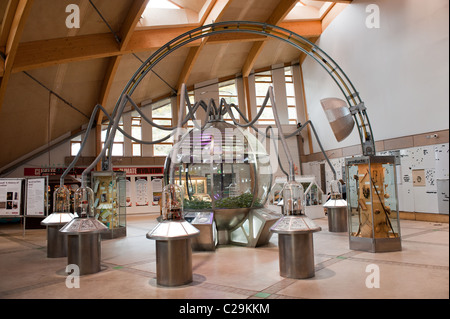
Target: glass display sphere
<point x="172" y="202"/>
<point x="293" y="198"/>
<point x="84" y="202"/>
<point x="222" y="168"/>
<point x="61" y="200"/>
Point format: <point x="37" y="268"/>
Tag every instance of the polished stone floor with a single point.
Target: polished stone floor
<point x="420" y="270"/>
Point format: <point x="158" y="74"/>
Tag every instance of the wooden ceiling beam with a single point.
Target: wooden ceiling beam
<point x="44" y="53"/>
<point x="125" y="34"/>
<point x="280" y="12"/>
<point x="130" y="22"/>
<point x="12" y="42"/>
<point x="7" y="22"/>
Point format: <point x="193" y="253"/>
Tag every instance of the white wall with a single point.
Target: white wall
<point x="400" y="69"/>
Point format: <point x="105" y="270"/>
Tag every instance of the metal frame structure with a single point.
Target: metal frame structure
<point x="356" y="105"/>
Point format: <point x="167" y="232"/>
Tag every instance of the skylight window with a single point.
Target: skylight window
<point x="162" y="4"/>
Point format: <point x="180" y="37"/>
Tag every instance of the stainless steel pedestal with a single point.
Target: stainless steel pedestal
<point x="173" y="252"/>
<point x="84" y="250"/>
<point x="173" y="262"/>
<point x="295" y="243"/>
<point x="56" y="242"/>
<point x="337" y="219"/>
<point x="204" y="222"/>
<point x="337" y="215"/>
<point x="296" y="254"/>
<point x="84" y="244"/>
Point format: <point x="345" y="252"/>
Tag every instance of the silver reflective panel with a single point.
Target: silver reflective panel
<point x="83" y="225"/>
<point x="58" y="219"/>
<point x="339" y="117"/>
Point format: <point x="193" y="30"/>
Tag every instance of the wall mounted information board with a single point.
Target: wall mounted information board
<point x="10" y="197"/>
<point x="35" y="196"/>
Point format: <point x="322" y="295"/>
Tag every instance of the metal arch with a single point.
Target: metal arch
<point x="331" y="67"/>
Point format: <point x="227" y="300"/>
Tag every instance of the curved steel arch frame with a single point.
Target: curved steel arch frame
<point x="352" y="97"/>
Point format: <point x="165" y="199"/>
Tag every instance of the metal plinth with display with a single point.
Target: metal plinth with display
<point x="84" y="244"/>
<point x="373" y="204"/>
<point x="295" y="243"/>
<point x="337" y="215"/>
<point x="204" y="222"/>
<point x="56" y="241"/>
<point x="173" y="252"/>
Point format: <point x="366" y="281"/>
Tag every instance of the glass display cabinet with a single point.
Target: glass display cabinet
<point x="110" y="201"/>
<point x="372" y="200"/>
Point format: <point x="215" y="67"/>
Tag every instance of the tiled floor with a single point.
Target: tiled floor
<point x="420" y="270"/>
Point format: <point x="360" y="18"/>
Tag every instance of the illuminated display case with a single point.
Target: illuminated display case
<point x="110" y="201"/>
<point x="372" y="200"/>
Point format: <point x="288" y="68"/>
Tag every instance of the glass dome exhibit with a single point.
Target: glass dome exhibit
<point x="84" y="207"/>
<point x="223" y="168"/>
<point x="293" y="198"/>
<point x="61" y="200"/>
<point x="335" y="190"/>
<point x="84" y="202"/>
<point x="61" y="208"/>
<point x="172" y="202"/>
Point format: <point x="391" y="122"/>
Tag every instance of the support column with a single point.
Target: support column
<point x="279" y="87"/>
<point x="301" y="107"/>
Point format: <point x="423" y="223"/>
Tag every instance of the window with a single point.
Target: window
<point x="117" y="149"/>
<point x="263" y="81"/>
<point x="162" y="115"/>
<point x="75" y="145"/>
<point x="136" y="132"/>
<point x="290" y="95"/>
<point x="228" y="91"/>
<point x="162" y="4"/>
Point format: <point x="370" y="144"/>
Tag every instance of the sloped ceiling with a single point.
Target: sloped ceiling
<point x="85" y="66"/>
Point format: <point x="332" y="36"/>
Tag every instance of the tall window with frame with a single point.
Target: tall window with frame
<point x="290" y="95"/>
<point x="118" y="143"/>
<point x="263" y="80"/>
<point x="136" y="132"/>
<point x="228" y="91"/>
<point x="162" y="115"/>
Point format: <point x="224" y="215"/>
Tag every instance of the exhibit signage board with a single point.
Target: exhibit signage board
<point x="10" y="197"/>
<point x="35" y="196"/>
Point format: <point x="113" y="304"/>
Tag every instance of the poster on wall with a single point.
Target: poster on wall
<point x="35" y="197"/>
<point x="157" y="182"/>
<point x="128" y="191"/>
<point x="10" y="196"/>
<point x="418" y="177"/>
<point x="141" y="191"/>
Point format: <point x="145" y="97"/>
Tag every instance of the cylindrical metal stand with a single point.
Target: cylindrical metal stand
<point x="84" y="250"/>
<point x="173" y="251"/>
<point x="296" y="255"/>
<point x="56" y="242"/>
<point x="173" y="262"/>
<point x="337" y="219"/>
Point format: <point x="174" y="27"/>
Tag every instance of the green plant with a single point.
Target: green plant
<point x="242" y="201"/>
<point x="196" y="203"/>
